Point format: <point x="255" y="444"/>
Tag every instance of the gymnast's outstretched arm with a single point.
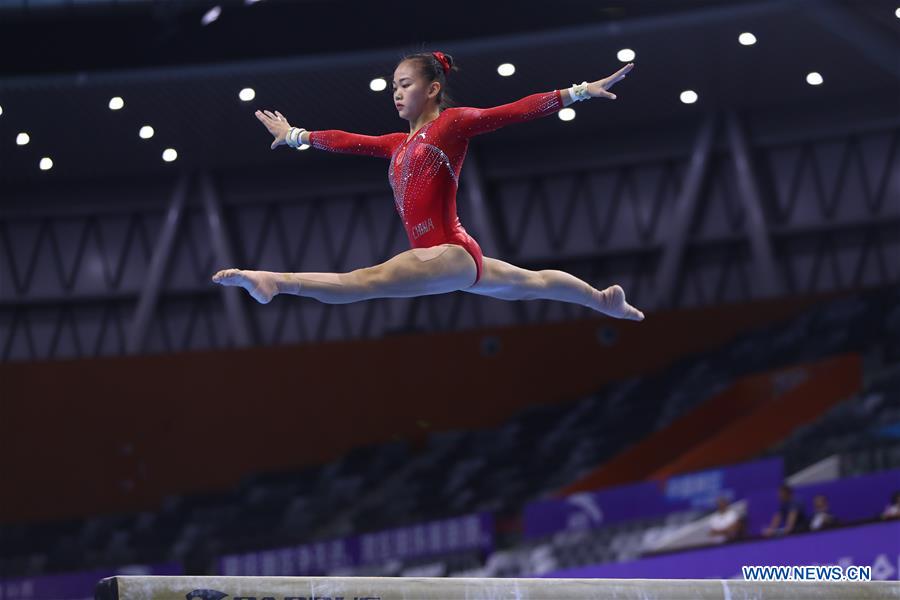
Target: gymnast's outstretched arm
<point x="475" y="121"/>
<point x="333" y="140"/>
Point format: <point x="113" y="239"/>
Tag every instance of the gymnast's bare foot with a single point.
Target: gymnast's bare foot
<point x="262" y="285"/>
<point x="611" y="301"/>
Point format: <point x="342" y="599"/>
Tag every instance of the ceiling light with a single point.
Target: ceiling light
<point x="211" y="15"/>
<point x="625" y="55"/>
<point x="688" y="96"/>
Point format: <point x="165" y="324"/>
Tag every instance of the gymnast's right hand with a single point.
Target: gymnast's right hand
<point x="276" y="124"/>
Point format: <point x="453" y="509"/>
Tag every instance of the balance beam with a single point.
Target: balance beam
<point x="158" y="587"/>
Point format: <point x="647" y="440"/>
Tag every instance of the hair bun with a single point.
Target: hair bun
<point x="445" y="60"/>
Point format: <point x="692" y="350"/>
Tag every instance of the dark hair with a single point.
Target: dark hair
<point x="431" y="69"/>
<point x="786" y="489"/>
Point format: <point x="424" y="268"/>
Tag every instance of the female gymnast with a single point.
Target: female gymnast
<point x="423" y="173"/>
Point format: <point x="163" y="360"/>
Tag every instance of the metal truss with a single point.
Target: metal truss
<point x="724" y="218"/>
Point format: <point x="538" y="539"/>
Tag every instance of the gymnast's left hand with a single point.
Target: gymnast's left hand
<point x="598" y="89"/>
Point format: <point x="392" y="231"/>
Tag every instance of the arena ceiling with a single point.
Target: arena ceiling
<point x="313" y="60"/>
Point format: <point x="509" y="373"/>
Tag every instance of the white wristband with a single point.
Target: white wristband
<point x="579" y="92"/>
<point x="293" y="138"/>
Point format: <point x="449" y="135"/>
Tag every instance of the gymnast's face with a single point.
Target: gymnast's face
<point x="412" y="91"/>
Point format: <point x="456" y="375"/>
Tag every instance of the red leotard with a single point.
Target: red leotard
<point x="424" y="171"/>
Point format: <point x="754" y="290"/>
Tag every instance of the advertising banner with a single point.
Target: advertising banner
<point x="470" y="532"/>
<point x="590" y="510"/>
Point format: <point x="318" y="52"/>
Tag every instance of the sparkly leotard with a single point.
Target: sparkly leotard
<point x="424" y="170"/>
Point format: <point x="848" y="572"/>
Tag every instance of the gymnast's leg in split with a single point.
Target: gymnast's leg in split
<point x="435" y="270"/>
<point x="415" y="272"/>
<point x="500" y="279"/>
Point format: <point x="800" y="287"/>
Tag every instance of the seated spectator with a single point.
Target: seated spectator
<point x="822" y="517"/>
<point x="790" y="517"/>
<point x="892" y="510"/>
<point x="725" y="523"/>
